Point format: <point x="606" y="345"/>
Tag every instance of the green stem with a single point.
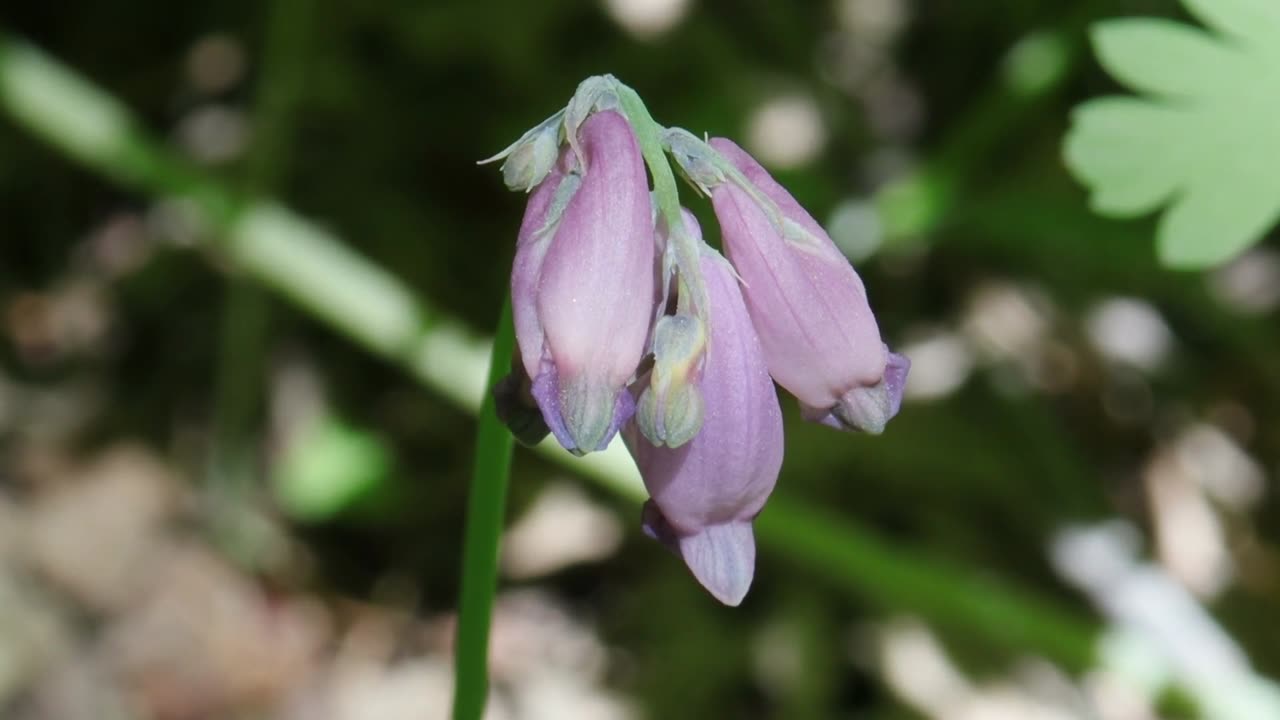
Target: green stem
<point x="895" y="578"/>
<point x="246" y="319"/>
<point x="666" y="195"/>
<point x="486" y="507"/>
<point x="649" y="133"/>
<point x="231" y="467"/>
<point x="278" y="94"/>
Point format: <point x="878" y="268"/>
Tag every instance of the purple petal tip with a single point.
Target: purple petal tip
<point x="723" y="559"/>
<point x="895" y="379"/>
<point x="869" y="408"/>
<point x="587" y="423"/>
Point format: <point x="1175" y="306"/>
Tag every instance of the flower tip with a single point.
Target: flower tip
<point x="723" y="559"/>
<point x="591" y="426"/>
<point x="583" y="415"/>
<point x="673" y="421"/>
<point x="895" y="379"/>
<point x="867" y="408"/>
<point x="671" y="408"/>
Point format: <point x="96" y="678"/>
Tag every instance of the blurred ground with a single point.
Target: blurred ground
<point x="115" y="609"/>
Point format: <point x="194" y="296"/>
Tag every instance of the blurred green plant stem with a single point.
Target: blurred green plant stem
<point x="486" y="512"/>
<point x="312" y="268"/>
<point x="233" y="457"/>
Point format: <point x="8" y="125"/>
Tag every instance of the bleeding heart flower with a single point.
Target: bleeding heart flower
<point x="807" y="303"/>
<point x="582" y="284"/>
<point x="706" y="492"/>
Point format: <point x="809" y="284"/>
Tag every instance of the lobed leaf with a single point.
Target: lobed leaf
<point x="1163" y="57"/>
<point x="1201" y="140"/>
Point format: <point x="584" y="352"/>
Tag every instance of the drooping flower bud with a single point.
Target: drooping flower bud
<point x="670" y="407"/>
<point x="531" y="158"/>
<point x="582" y="284"/>
<point x="706" y="493"/>
<point x="596" y="93"/>
<point x="808" y="305"/>
<point x="531" y="162"/>
<point x="692" y="158"/>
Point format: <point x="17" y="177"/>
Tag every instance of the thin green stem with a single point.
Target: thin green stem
<point x="848" y="556"/>
<point x="230" y="464"/>
<point x="278" y="94"/>
<point x="666" y="195"/>
<point x="486" y="507"/>
<point x="246" y="318"/>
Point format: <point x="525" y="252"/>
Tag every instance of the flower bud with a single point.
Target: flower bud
<point x="706" y="492"/>
<point x="582" y="285"/>
<point x="693" y="158"/>
<point x="532" y="159"/>
<point x="670" y="408"/>
<point x="867" y="408"/>
<point x="596" y="93"/>
<point x="808" y="305"/>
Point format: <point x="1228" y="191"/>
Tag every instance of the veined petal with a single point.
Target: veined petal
<point x="582" y="284"/>
<point x="721" y="557"/>
<point x="808" y="305"/>
<point x="536" y="231"/>
<point x="596" y="279"/>
<point x="706" y="492"/>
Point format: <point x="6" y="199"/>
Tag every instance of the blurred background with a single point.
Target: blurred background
<point x="228" y="490"/>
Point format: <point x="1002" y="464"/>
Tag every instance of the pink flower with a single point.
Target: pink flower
<point x="582" y="284"/>
<point x="706" y="492"/>
<point x="808" y="305"/>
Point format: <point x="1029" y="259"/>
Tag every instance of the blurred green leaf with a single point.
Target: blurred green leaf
<point x="328" y="468"/>
<point x="1203" y="137"/>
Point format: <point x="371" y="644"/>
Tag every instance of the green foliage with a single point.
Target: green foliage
<point x="1201" y="139"/>
<point x="329" y="468"/>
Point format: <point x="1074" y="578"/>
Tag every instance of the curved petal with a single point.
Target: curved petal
<point x="706" y="492"/>
<point x="808" y="305"/>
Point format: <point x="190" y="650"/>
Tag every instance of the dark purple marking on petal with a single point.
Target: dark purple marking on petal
<point x="895" y="379"/>
<point x="546" y="392"/>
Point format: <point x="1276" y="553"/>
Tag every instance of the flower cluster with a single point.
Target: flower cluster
<point x="628" y="322"/>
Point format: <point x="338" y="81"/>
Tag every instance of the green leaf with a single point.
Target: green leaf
<point x="1254" y="21"/>
<point x="1202" y="140"/>
<point x="328" y="468"/>
<point x="1167" y="58"/>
